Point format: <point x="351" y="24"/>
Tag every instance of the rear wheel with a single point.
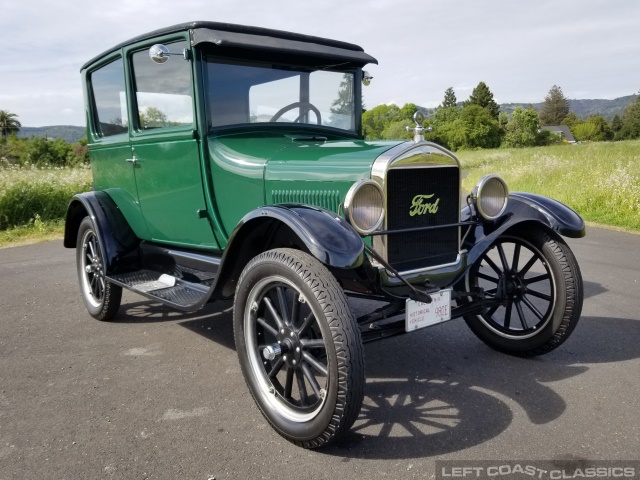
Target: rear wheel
<point x="538" y="282"/>
<point x="299" y="347"/>
<point x="101" y="297"/>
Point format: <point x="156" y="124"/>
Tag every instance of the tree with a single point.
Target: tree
<point x="483" y="97"/>
<point x="440" y="123"/>
<point x="523" y="130"/>
<point x="482" y="127"/>
<point x="8" y="123"/>
<point x="616" y="123"/>
<point x="473" y="128"/>
<point x="604" y="131"/>
<point x="503" y="121"/>
<point x="571" y="119"/>
<point x="374" y="121"/>
<point x="630" y="122"/>
<point x="388" y="121"/>
<point x="407" y="111"/>
<point x="585" y="132"/>
<point x="555" y="108"/>
<point x="449" y="98"/>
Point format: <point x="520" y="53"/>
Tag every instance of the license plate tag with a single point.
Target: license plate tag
<point x="420" y="315"/>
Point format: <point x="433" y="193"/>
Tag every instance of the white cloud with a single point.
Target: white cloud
<point x="520" y="49"/>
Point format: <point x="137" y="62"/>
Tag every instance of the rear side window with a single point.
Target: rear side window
<point x="109" y="98"/>
<point x="163" y="91"/>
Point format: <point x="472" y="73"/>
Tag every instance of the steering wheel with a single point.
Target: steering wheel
<point x="305" y="108"/>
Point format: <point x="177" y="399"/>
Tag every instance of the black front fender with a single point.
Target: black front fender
<point x="322" y="233"/>
<point x="523" y="208"/>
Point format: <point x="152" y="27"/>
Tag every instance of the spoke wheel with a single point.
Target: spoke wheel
<point x="299" y="347"/>
<point x="101" y="298"/>
<point x="537" y="284"/>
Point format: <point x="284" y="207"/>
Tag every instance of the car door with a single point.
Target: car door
<point x="166" y="149"/>
<point x="108" y="137"/>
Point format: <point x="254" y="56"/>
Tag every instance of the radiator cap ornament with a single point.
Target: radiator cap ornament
<point x="418" y="130"/>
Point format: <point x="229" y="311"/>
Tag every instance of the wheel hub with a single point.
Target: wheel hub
<point x="510" y="286"/>
<point x="289" y="343"/>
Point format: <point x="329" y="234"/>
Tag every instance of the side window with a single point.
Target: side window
<point x="163" y="91"/>
<point x="109" y="99"/>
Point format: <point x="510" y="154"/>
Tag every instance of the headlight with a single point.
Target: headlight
<point x="490" y="196"/>
<point x="364" y="206"/>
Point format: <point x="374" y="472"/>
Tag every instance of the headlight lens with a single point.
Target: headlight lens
<point x="364" y="206"/>
<point x="490" y="196"/>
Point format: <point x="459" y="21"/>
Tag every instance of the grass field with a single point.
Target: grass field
<point x="601" y="181"/>
<point x="36" y="199"/>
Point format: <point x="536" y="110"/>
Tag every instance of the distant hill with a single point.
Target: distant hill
<point x="584" y="108"/>
<point x="70" y="133"/>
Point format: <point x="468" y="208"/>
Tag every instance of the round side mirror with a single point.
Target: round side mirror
<point x="366" y="78"/>
<point x="159" y="53"/>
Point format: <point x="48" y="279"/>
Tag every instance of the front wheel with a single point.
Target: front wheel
<point x="101" y="297"/>
<point x="537" y="282"/>
<point x="299" y="347"/>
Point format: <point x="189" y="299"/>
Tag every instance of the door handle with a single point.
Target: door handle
<point x="133" y="160"/>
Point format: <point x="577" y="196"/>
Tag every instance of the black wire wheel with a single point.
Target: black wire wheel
<point x="535" y="285"/>
<point x="299" y="347"/>
<point x="101" y="297"/>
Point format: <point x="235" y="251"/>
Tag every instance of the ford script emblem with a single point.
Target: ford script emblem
<point x="422" y="204"/>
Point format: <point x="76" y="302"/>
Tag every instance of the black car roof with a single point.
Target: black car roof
<point x="257" y="38"/>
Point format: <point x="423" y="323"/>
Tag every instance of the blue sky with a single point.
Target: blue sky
<point x="590" y="48"/>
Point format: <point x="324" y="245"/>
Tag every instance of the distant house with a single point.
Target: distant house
<point x="562" y="131"/>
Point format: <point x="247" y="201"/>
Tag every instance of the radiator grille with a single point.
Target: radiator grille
<point x="420" y="197"/>
<point x="329" y="199"/>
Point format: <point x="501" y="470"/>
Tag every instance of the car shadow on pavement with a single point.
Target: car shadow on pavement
<point x="592" y="289"/>
<point x="148" y="311"/>
<point x="458" y="393"/>
<point x="214" y="321"/>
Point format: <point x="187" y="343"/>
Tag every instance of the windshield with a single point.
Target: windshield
<point x="262" y="93"/>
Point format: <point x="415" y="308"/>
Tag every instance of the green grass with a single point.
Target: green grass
<point x="601" y="181"/>
<point x="33" y="232"/>
<point x="30" y="194"/>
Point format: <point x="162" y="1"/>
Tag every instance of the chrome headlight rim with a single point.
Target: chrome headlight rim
<point x="349" y="204"/>
<point x="478" y="191"/>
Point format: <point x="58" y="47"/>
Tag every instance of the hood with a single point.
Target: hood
<point x="303" y="159"/>
<point x="255" y="168"/>
<point x="296" y="156"/>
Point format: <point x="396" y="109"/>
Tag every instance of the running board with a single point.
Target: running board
<point x="185" y="289"/>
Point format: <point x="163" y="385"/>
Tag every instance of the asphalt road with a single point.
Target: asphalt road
<point x="160" y="395"/>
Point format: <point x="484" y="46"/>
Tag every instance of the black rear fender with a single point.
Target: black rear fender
<point x="116" y="237"/>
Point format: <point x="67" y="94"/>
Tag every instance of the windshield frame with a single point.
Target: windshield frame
<point x="283" y="64"/>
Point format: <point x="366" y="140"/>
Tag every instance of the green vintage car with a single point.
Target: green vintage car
<point x="229" y="162"/>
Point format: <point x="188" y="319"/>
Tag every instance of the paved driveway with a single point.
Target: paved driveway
<point x="160" y="395"/>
